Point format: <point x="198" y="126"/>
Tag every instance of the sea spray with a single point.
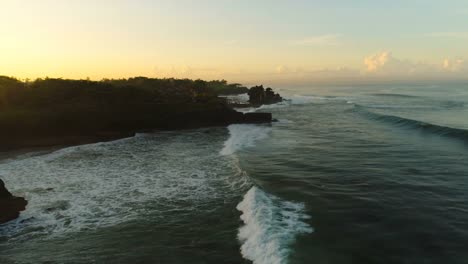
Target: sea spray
<point x="271" y="226"/>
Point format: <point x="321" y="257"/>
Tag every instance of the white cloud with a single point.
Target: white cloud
<point x="323" y="40"/>
<point x="282" y="69"/>
<point x="382" y="66"/>
<point x="377" y="61"/>
<point x="385" y="64"/>
<point x="455" y="65"/>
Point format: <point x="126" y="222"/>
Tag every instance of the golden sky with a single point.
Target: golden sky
<point x="274" y="41"/>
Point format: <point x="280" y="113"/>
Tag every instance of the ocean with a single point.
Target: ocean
<point x="358" y="174"/>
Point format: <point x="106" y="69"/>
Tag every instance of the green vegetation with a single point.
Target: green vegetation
<point x="58" y="107"/>
<point x="223" y="88"/>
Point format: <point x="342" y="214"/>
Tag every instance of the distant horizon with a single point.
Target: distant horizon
<point x="280" y="84"/>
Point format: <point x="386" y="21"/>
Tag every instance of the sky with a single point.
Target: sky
<point x="274" y="42"/>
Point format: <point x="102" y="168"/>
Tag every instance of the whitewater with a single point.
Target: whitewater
<point x="270" y="223"/>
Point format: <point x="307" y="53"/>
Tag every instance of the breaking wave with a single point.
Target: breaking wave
<point x="394" y="95"/>
<point x="417" y="125"/>
<point x="271" y="226"/>
<point x="298" y="99"/>
<point x="243" y="136"/>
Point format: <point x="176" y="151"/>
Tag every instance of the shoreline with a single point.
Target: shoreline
<point x="49" y="143"/>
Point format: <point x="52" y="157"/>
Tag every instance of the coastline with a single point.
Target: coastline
<point x="55" y="112"/>
<point x="51" y="144"/>
<point x="15" y="146"/>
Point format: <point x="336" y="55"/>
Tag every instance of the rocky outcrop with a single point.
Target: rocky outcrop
<point x="260" y="96"/>
<point x="258" y="117"/>
<point x="10" y="206"/>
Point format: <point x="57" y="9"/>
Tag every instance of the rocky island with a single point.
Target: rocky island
<point x="260" y="96"/>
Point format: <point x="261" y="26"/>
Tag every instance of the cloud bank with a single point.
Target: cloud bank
<point x="385" y="64"/>
<point x="379" y="67"/>
<point x="455" y="65"/>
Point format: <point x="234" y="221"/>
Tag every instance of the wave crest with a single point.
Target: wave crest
<point x="242" y="136"/>
<point x="271" y="225"/>
<point x="417" y="125"/>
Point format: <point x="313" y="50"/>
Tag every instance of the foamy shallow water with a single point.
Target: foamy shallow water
<point x="97" y="185"/>
<point x="89" y="188"/>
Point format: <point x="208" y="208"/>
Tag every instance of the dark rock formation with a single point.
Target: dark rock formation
<point x="260" y="96"/>
<point x="219" y="116"/>
<point x="10" y="206"/>
<point x="4" y="193"/>
<point x="258" y="117"/>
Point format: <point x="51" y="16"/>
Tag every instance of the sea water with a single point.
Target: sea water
<point x="357" y="174"/>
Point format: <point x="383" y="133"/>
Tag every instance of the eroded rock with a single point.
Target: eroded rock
<point x="10" y="206"/>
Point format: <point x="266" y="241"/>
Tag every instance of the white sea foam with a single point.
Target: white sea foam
<point x="269" y="106"/>
<point x="271" y="226"/>
<point x="91" y="186"/>
<point x="242" y="98"/>
<point x="243" y="136"/>
<point x="272" y="106"/>
<point x="295" y="99"/>
<point x="298" y="99"/>
<point x="247" y="109"/>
